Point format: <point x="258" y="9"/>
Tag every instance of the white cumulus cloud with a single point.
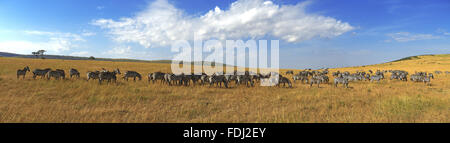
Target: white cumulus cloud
<point x="126" y="52"/>
<point x="162" y="23"/>
<point x="53" y="42"/>
<point x="80" y="54"/>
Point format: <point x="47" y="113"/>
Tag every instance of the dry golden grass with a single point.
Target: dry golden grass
<point x="80" y="101"/>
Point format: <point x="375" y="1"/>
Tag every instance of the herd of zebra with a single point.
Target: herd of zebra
<point x="246" y="78"/>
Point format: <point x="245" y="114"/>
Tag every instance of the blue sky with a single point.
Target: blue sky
<point x="312" y="34"/>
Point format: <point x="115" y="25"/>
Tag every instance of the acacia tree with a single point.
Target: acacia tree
<point x="36" y="54"/>
<point x="39" y="53"/>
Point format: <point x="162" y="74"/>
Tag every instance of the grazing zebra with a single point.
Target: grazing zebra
<point x="132" y="74"/>
<point x="341" y="80"/>
<point x="204" y="79"/>
<point x="218" y="80"/>
<point x="40" y="72"/>
<point x="284" y="80"/>
<point x="62" y="73"/>
<point x="421" y="77"/>
<point x="324" y="79"/>
<point x="92" y="75"/>
<point x="299" y="77"/>
<point x="169" y="78"/>
<point x="376" y="78"/>
<point x="195" y="78"/>
<point x="289" y="72"/>
<point x="415" y="77"/>
<point x="247" y="79"/>
<point x="23" y="72"/>
<point x="403" y="77"/>
<point x="157" y="76"/>
<point x="315" y="80"/>
<point x="109" y="76"/>
<point x="336" y="74"/>
<point x="74" y="72"/>
<point x="185" y="79"/>
<point x="57" y="74"/>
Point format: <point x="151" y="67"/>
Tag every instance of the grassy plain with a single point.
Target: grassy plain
<point x="74" y="100"/>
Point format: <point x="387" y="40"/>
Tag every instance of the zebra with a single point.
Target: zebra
<point x="304" y="79"/>
<point x="106" y="75"/>
<point x="336" y="74"/>
<point x="74" y="72"/>
<point x="324" y="79"/>
<point x="195" y="78"/>
<point x="394" y="76"/>
<point x="403" y="77"/>
<point x="204" y="79"/>
<point x="247" y="79"/>
<point x="167" y="77"/>
<point x="23" y="72"/>
<point x="421" y="77"/>
<point x="284" y="80"/>
<point x="132" y="74"/>
<point x="218" y="80"/>
<point x="157" y="76"/>
<point x="351" y="77"/>
<point x="376" y="78"/>
<point x="185" y="79"/>
<point x="289" y="72"/>
<point x="40" y="72"/>
<point x="92" y="75"/>
<point x="341" y="80"/>
<point x="415" y="77"/>
<point x="62" y="73"/>
<point x="315" y="80"/>
<point x="175" y="79"/>
<point x="57" y="74"/>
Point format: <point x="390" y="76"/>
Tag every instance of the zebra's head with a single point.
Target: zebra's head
<point x="27" y="69"/>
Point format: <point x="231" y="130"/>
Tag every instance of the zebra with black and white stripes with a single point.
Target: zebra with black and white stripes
<point x="132" y="74"/>
<point x="23" y="72"/>
<point x="109" y="76"/>
<point x="40" y="72"/>
<point x="74" y="72"/>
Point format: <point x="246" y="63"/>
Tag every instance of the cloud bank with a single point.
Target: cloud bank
<point x="406" y="36"/>
<point x="54" y="43"/>
<point x="162" y="23"/>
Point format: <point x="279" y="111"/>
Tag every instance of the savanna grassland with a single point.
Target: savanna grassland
<point x="77" y="100"/>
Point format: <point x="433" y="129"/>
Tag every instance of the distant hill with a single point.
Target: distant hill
<point x="411" y="58"/>
<point x="5" y="54"/>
